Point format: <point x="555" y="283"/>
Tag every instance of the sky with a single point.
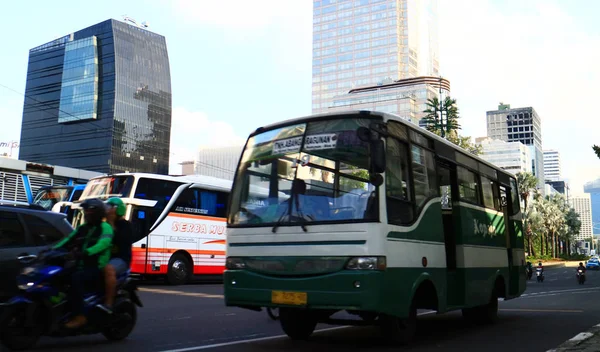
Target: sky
<point x="237" y="65"/>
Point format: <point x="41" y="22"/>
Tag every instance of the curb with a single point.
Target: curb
<point x="588" y="341"/>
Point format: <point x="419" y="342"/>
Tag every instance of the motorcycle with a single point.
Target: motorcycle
<point x="273" y="313"/>
<point x="540" y="274"/>
<point x="580" y="276"/>
<point x="42" y="307"/>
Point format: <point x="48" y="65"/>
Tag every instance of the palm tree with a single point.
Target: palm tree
<point x="436" y="124"/>
<point x="527" y="183"/>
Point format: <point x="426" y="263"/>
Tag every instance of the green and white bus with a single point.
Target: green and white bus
<point x="381" y="218"/>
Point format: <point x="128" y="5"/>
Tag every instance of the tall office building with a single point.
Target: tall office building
<point x="218" y="162"/>
<point x="519" y="125"/>
<point x="552" y="165"/>
<point x="583" y="207"/>
<point x="99" y="99"/>
<point x="359" y="43"/>
<point x="593" y="189"/>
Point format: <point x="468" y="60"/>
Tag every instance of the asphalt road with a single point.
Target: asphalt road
<point x="194" y="318"/>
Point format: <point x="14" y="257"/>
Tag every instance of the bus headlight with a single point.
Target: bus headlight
<point x="366" y="263"/>
<point x="234" y="263"/>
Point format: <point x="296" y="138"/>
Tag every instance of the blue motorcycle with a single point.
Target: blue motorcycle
<point x="42" y="307"/>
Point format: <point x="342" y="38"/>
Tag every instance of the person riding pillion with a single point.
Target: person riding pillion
<point x="94" y="239"/>
<point x="120" y="260"/>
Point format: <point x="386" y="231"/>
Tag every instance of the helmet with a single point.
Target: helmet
<point x="95" y="209"/>
<point x="118" y="204"/>
<point x="580" y="264"/>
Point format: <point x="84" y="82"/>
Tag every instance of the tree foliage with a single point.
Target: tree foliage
<point x="550" y="223"/>
<point x="448" y="126"/>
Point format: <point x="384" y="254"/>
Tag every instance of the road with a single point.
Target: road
<point x="194" y="318"/>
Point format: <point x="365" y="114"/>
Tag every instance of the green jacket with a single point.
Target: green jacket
<point x="97" y="241"/>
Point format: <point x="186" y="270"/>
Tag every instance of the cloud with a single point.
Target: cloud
<point x="525" y="54"/>
<point x="191" y="130"/>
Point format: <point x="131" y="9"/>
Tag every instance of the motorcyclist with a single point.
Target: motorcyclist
<point x="581" y="267"/>
<point x="94" y="240"/>
<point x="121" y="250"/>
<point x="529" y="268"/>
<point x="540" y="266"/>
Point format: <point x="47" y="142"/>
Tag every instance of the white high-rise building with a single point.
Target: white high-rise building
<point x="583" y="207"/>
<point x="360" y="43"/>
<point x="513" y="157"/>
<point x="552" y="165"/>
<point x="218" y="162"/>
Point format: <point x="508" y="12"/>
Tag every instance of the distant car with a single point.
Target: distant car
<point x="25" y="230"/>
<point x="593" y="263"/>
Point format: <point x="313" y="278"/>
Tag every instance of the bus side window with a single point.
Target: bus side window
<point x="158" y="190"/>
<point x="399" y="205"/>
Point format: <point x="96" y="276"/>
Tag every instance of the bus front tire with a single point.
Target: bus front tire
<point x="399" y="331"/>
<point x="297" y="324"/>
<point x="178" y="272"/>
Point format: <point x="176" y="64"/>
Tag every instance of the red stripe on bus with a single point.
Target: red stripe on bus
<point x="216" y="242"/>
<point x="198" y="269"/>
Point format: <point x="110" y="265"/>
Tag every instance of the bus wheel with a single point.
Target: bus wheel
<point x="485" y="314"/>
<point x="399" y="331"/>
<point x="297" y="324"/>
<point x="178" y="272"/>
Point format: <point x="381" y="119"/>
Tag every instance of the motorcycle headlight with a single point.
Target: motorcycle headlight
<point x="25" y="286"/>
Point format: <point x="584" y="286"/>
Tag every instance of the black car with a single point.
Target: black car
<point x="25" y="230"/>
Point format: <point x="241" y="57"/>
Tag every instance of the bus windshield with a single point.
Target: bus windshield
<point x="313" y="172"/>
<point x="110" y="186"/>
<point x="46" y="197"/>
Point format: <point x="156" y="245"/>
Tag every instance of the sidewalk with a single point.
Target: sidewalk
<point x="588" y="341"/>
<point x="570" y="264"/>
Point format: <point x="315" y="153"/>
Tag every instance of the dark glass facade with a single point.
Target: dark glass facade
<point x="99" y="99"/>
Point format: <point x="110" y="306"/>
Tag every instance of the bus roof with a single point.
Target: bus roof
<point x="386" y="117"/>
<point x="199" y="180"/>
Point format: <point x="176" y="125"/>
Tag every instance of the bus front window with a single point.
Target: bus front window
<point x="110" y="186"/>
<point x="313" y="172"/>
<point x="48" y="196"/>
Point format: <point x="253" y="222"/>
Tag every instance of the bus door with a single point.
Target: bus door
<point x="505" y="201"/>
<point x="449" y="191"/>
<point x="142" y="218"/>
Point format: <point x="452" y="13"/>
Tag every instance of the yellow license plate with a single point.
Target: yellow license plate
<point x="291" y="298"/>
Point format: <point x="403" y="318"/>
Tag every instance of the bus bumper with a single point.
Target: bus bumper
<point x="342" y="290"/>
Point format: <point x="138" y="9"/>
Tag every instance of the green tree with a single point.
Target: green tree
<point x="573" y="227"/>
<point x="465" y="143"/>
<point x="527" y="183"/>
<point x="596" y="150"/>
<point x="435" y="122"/>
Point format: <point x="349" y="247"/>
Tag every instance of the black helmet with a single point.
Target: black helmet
<point x="95" y="210"/>
<point x="580" y="264"/>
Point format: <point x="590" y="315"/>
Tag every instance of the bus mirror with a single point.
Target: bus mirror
<point x="376" y="179"/>
<point x="378" y="156"/>
<point x="364" y="134"/>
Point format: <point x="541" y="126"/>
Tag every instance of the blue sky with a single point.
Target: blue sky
<point x="238" y="64"/>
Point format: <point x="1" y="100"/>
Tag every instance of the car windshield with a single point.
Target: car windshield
<point x="111" y="186"/>
<point x="47" y="197"/>
<point x="305" y="173"/>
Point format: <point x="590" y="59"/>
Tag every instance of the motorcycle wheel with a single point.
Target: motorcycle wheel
<point x="16" y="337"/>
<point x="273" y="313"/>
<point x="125" y="318"/>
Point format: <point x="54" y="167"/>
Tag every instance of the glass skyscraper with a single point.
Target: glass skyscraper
<point x="359" y="43"/>
<point x="99" y="99"/>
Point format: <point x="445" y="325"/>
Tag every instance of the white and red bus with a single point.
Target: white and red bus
<point x="178" y="221"/>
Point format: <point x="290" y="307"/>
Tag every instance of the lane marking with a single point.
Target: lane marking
<point x="560" y="291"/>
<point x="266" y="338"/>
<point x="542" y="310"/>
<point x="179" y="293"/>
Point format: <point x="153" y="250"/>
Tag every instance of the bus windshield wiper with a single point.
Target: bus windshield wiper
<point x="289" y="213"/>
